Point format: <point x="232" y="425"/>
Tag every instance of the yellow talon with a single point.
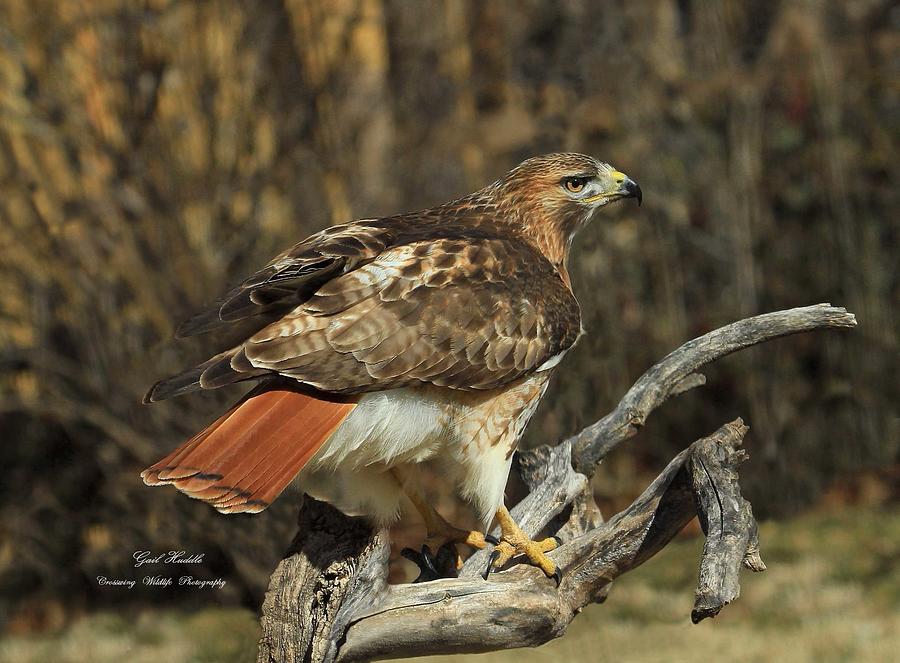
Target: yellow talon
<point x="438" y="536"/>
<point x="515" y="542"/>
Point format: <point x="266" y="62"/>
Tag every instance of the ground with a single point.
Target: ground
<point x="832" y="593"/>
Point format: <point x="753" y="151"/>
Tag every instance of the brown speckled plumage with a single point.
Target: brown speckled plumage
<point x="472" y="296"/>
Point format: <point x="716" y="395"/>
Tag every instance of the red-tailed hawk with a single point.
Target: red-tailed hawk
<point x="385" y="343"/>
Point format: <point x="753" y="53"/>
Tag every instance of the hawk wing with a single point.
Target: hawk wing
<point x="290" y="278"/>
<point x="468" y="313"/>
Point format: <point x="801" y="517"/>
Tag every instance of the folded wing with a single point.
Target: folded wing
<point x="470" y="314"/>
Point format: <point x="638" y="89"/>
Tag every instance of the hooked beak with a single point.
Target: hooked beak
<point x="627" y="188"/>
<point x="631" y="189"/>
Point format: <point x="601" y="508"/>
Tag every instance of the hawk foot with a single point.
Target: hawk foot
<point x="515" y="542"/>
<point x="446" y="561"/>
<point x="433" y="566"/>
<point x="439" y="535"/>
<point x="444" y="533"/>
<point x="532" y="550"/>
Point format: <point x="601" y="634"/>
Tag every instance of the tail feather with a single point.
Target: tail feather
<point x="171" y="467"/>
<point x="247" y="457"/>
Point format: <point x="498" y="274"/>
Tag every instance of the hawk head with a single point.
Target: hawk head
<point x="554" y="195"/>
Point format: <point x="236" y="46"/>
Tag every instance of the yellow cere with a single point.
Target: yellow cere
<point x="618" y="177"/>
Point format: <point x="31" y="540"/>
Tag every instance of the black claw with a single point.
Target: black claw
<point x="558" y="540"/>
<point x="495" y="555"/>
<point x="428" y="560"/>
<point x="490" y="538"/>
<point x="490" y="565"/>
<point x="557" y="576"/>
<point x="425" y="562"/>
<point x="446" y="560"/>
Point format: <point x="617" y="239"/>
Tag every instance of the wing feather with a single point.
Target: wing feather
<point x="290" y="278"/>
<point x="366" y="308"/>
<point x="436" y="316"/>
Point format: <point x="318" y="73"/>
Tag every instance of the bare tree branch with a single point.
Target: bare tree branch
<point x="666" y="378"/>
<point x="317" y="578"/>
<point x="521" y="608"/>
<point x="329" y="599"/>
<point x="727" y="520"/>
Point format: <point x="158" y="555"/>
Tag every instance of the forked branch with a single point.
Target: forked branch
<point x="329" y="599"/>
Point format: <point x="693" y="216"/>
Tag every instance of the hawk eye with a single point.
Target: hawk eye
<point x="575" y="184"/>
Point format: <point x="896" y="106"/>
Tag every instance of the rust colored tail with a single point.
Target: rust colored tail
<point x="243" y="460"/>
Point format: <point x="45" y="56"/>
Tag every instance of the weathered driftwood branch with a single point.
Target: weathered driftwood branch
<point x="674" y="374"/>
<point x="726" y="519"/>
<point x="329" y="598"/>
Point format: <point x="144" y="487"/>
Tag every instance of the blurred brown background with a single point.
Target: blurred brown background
<point x="153" y="153"/>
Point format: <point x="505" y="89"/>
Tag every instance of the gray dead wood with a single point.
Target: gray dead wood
<point x="329" y="599"/>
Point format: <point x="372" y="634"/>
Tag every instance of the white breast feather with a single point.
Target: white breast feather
<point x="400" y="428"/>
<point x="386" y="428"/>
